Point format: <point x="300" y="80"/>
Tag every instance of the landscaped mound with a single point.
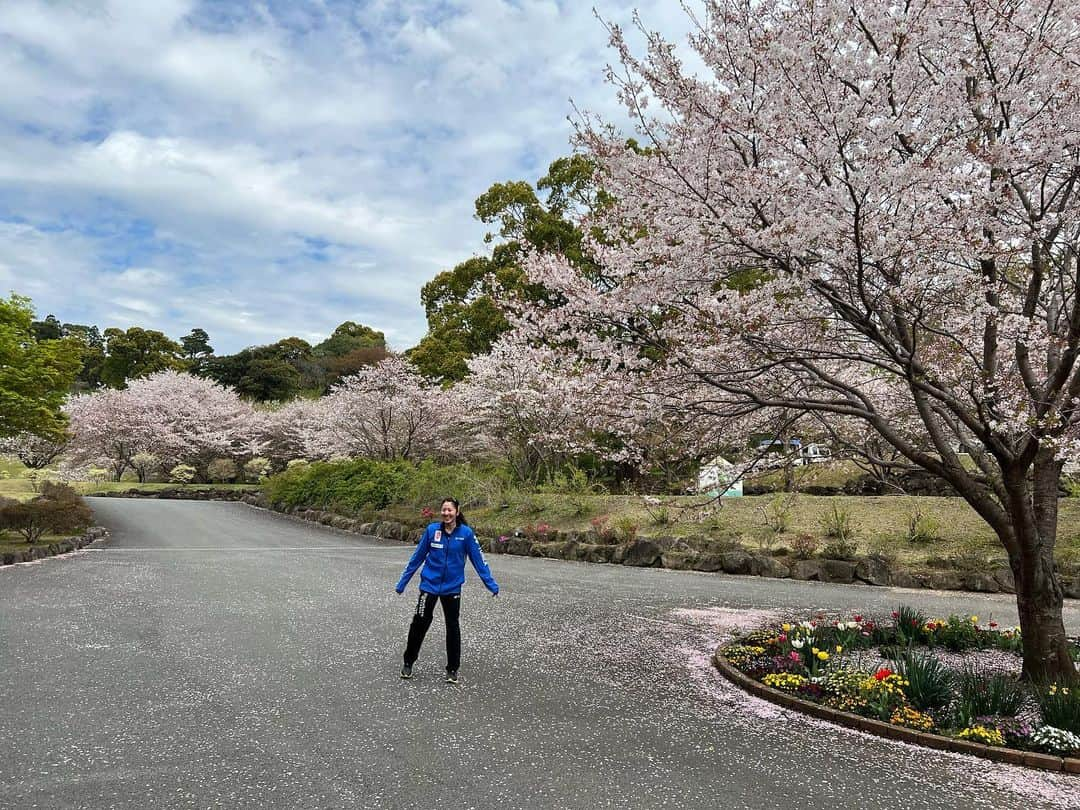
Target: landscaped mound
<point x="953" y="677"/>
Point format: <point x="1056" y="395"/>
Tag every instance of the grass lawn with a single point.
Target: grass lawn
<point x="880" y="523"/>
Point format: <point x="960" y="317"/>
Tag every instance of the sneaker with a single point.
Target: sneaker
<point x="451" y="676"/>
<point x="406" y="671"/>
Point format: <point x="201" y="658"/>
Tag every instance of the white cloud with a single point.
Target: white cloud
<point x="263" y="171"/>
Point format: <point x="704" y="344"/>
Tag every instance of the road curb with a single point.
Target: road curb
<point x="93" y="536"/>
<point x="1012" y="756"/>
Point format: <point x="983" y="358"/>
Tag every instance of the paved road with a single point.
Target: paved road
<point x="212" y="655"/>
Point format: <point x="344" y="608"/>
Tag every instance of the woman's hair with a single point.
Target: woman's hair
<point x="460" y="515"/>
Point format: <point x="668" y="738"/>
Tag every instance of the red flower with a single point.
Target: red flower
<point x="993" y="624"/>
<point x="858" y="618"/>
<point x="895" y="615"/>
<point x="882" y="674"/>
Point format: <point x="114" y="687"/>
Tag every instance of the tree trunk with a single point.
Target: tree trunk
<point x="1039" y="600"/>
<point x="1039" y="596"/>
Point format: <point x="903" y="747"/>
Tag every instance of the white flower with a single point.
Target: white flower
<point x="797" y="643"/>
<point x="1056" y="740"/>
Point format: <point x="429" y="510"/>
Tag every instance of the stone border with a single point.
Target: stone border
<point x="175" y="494"/>
<point x="675" y="555"/>
<point x="1012" y="756"/>
<point x="93" y="536"/>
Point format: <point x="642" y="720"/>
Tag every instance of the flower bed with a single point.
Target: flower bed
<point x="953" y="677"/>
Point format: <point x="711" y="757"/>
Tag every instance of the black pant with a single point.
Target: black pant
<point x="421" y="621"/>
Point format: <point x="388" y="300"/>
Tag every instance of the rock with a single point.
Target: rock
<point x="1005" y="580"/>
<point x="808" y="570"/>
<point x="367" y="528"/>
<point x="738" y="562"/>
<point x="341" y="522"/>
<point x="518" y="545"/>
<point x="709" y="562"/>
<point x="771" y="567"/>
<point x="947" y="580"/>
<point x="1071" y="588"/>
<point x="643" y="553"/>
<point x="678" y="560"/>
<point x="980" y="583"/>
<point x="906" y="579"/>
<point x="10" y="558"/>
<point x="872" y="571"/>
<point x="598" y="552"/>
<point x="840" y="571"/>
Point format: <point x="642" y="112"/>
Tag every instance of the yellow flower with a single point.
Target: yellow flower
<point x="815" y="650"/>
<point x="839" y="649"/>
<point x="822" y="655"/>
<point x="974" y="619"/>
<point x="786" y="627"/>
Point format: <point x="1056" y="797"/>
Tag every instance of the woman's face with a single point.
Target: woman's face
<point x="449" y="512"/>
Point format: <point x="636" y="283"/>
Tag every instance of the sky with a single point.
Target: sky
<point x="264" y="170"/>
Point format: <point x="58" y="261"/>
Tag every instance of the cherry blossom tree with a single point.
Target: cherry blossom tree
<point x="387" y="411"/>
<point x="849" y="194"/>
<point x="106" y="428"/>
<point x="36" y="452"/>
<point x="173" y="417"/>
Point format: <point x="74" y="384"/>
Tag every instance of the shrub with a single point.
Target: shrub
<point x="840" y="549"/>
<point x="922" y="527"/>
<point x="144" y="465"/>
<point x="572" y="480"/>
<point x="625" y="529"/>
<point x="256" y="469"/>
<point x="222" y="470"/>
<point x="349" y="486"/>
<point x="776" y="515"/>
<point x="58" y="510"/>
<point x="182" y="474"/>
<point x="838" y="523"/>
<point x="1060" y="707"/>
<point x="930" y="682"/>
<point x="804" y="546"/>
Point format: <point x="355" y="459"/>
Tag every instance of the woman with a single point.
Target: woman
<point x="442" y="549"/>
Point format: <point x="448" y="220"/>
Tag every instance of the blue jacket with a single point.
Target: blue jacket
<point x="443" y="556"/>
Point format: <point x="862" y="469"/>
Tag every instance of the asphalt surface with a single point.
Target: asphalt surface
<point x="213" y="655"/>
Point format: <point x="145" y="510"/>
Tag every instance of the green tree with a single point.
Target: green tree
<point x="348" y="337"/>
<point x="35" y="375"/>
<point x="462" y="305"/>
<point x="138" y="352"/>
<point x="48" y="329"/>
<point x="269" y="378"/>
<point x="196" y="344"/>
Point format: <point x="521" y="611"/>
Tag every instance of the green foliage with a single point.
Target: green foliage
<point x="838" y="523"/>
<point x="572" y="480"/>
<point x="777" y="514"/>
<point x="472" y="485"/>
<point x="930" y="682"/>
<point x="222" y="470"/>
<point x="347" y="486"/>
<point x="348" y="337"/>
<point x="138" y="352"/>
<point x="922" y="527"/>
<point x="1059" y="705"/>
<point x="625" y="529"/>
<point x="196" y="344"/>
<point x="35" y="375"/>
<point x="182" y="474"/>
<point x="979" y="694"/>
<point x="463" y="305"/>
